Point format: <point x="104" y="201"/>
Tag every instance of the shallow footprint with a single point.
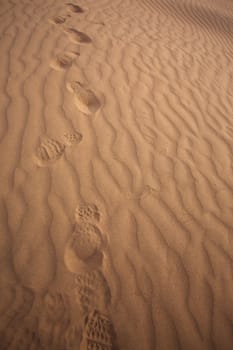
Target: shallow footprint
<point x="56" y="307"/>
<point x="72" y="138"/>
<point x="87" y="212"/>
<point x="92" y="291"/>
<point x="63" y="60"/>
<point x="74" y="8"/>
<point x="85" y="241"/>
<point x="58" y="20"/>
<point x="84" y="248"/>
<point x="77" y="36"/>
<point x="55" y="320"/>
<point x="98" y="332"/>
<point x="49" y="151"/>
<point x="86" y="100"/>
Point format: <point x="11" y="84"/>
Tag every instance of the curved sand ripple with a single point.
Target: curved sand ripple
<point x="157" y="162"/>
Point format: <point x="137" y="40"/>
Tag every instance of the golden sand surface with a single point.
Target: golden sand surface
<point x="116" y="178"/>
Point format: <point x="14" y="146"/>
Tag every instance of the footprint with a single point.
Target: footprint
<point x="72" y="138"/>
<point x="92" y="291"/>
<point x="55" y="320"/>
<point x="63" y="60"/>
<point x="74" y="8"/>
<point x="85" y="99"/>
<point x="87" y="212"/>
<point x="49" y="151"/>
<point x="58" y="20"/>
<point x="56" y="307"/>
<point x="77" y="36"/>
<point x="86" y="240"/>
<point x="98" y="333"/>
<point x="84" y="246"/>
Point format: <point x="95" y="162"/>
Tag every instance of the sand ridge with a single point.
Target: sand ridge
<point x="116" y="188"/>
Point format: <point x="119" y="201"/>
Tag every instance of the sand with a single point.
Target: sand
<point x="116" y="181"/>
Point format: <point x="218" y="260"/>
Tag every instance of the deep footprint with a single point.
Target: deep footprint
<point x="87" y="212"/>
<point x="84" y="248"/>
<point x="63" y="60"/>
<point x="98" y="332"/>
<point x="92" y="291"/>
<point x="86" y="100"/>
<point x="74" y="8"/>
<point x="77" y="36"/>
<point x="58" y="20"/>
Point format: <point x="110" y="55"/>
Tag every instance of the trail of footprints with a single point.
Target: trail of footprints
<point x="83" y="257"/>
<point x="54" y="328"/>
<point x="50" y="150"/>
<point x="85" y="99"/>
<point x="83" y="253"/>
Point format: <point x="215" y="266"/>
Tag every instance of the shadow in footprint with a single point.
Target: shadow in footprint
<point x="86" y="100"/>
<point x="74" y="8"/>
<point x="98" y="332"/>
<point x="58" y="20"/>
<point x="72" y="138"/>
<point x="50" y="150"/>
<point x="83" y="250"/>
<point x="78" y="37"/>
<point x="63" y="60"/>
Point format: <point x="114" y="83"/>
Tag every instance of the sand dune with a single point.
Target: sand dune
<point x="116" y="148"/>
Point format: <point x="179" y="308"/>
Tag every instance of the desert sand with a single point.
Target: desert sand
<point x="116" y="181"/>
